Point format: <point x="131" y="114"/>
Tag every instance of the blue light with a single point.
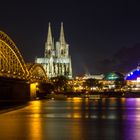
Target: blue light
<point x="133" y="74"/>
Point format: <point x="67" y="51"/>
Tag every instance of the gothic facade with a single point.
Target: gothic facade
<point x="56" y="60"/>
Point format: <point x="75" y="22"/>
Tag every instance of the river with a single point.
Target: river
<point x="73" y="119"/>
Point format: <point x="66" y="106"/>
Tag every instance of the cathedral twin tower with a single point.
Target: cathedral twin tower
<point x="56" y="61"/>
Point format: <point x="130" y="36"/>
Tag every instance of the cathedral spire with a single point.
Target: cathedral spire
<point x="49" y="43"/>
<point x="62" y="36"/>
<point x="49" y="37"/>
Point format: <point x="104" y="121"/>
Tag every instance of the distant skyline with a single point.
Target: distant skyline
<point x="97" y="31"/>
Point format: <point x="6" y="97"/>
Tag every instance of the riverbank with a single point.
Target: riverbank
<point x="62" y="96"/>
<point x="9" y="105"/>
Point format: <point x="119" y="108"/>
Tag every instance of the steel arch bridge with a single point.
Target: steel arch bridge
<point x="12" y="64"/>
<point x="36" y="72"/>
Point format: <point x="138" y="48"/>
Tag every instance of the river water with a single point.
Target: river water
<point x="73" y="119"/>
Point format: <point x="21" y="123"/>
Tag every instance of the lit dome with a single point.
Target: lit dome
<point x="113" y="76"/>
<point x="133" y="75"/>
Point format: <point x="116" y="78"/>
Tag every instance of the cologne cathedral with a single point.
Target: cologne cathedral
<point x="56" y="61"/>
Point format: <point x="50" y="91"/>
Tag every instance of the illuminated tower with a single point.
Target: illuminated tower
<point x="56" y="59"/>
<point x="61" y="46"/>
<point x="49" y="46"/>
<point x="62" y="54"/>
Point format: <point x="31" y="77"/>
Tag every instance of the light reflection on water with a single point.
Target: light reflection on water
<point x="74" y="119"/>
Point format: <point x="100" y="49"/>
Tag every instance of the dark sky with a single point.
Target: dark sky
<point x="95" y="30"/>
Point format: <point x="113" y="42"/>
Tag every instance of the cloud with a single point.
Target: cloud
<point x="123" y="60"/>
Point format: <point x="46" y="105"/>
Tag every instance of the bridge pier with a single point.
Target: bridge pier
<point x="40" y="90"/>
<point x="33" y="90"/>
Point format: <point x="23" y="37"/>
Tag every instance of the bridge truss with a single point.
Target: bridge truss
<point x="12" y="64"/>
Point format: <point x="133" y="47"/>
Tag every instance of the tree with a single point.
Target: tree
<point x="119" y="83"/>
<point x="89" y="83"/>
<point x="44" y="89"/>
<point x="60" y="83"/>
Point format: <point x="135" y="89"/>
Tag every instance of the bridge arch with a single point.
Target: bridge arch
<point x="37" y="72"/>
<point x="11" y="62"/>
<point x="37" y="76"/>
<point x="13" y="66"/>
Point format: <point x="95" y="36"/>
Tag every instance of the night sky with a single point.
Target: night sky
<point x="103" y="35"/>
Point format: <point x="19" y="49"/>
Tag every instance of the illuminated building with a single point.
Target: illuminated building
<point x="79" y="82"/>
<point x="133" y="75"/>
<point x="109" y="79"/>
<point x="56" y="59"/>
<point x="113" y="76"/>
<point x="97" y="76"/>
<point x="133" y="79"/>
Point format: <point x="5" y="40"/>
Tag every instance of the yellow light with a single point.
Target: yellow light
<point x="123" y="100"/>
<point x="33" y="90"/>
<point x="77" y="115"/>
<point x="36" y="83"/>
<point x="77" y="99"/>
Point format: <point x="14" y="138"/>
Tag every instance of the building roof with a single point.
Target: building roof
<point x="113" y="76"/>
<point x="133" y="74"/>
